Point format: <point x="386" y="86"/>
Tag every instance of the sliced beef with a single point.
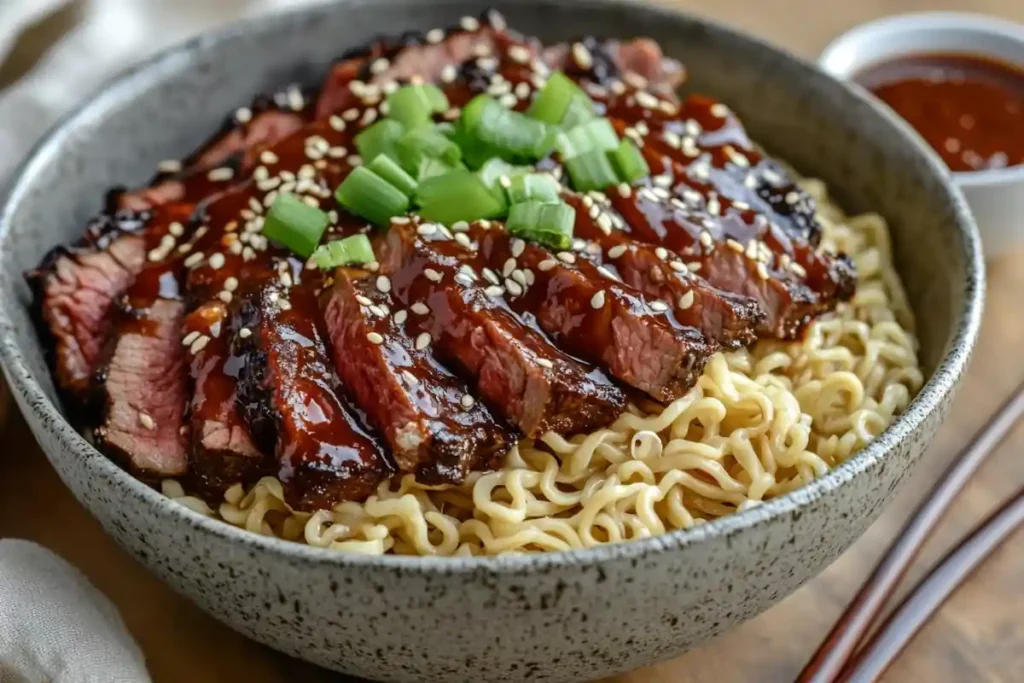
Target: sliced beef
<point x="593" y="315"/>
<point x="221" y="452"/>
<point x="428" y="417"/>
<point x="291" y="400"/>
<point x="145" y="387"/>
<point x="726" y="318"/>
<point x="515" y="370"/>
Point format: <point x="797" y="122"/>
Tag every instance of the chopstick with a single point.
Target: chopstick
<point x="885" y="645"/>
<point x="840" y="644"/>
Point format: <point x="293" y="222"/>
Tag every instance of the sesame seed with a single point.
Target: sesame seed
<point x="606" y="273"/>
<point x="426" y="229"/>
<point x="400" y="316"/>
<point x="518" y="246"/>
<point x="383" y="284"/>
<point x="432" y="275"/>
<point x="617" y="251"/>
<point x="224" y="296"/>
<point x="658" y="306"/>
<point x="372" y="266"/>
<point x="435" y="35"/>
<point x="463" y="239"/>
<point x="661" y="252"/>
<point x="222" y="174"/>
<point x="420" y="308"/>
<point x="519" y="54"/>
<point x="377" y="310"/>
<point x="375" y="338"/>
<point x="579" y="244"/>
<point x="635" y="80"/>
<point x="513" y="287"/>
<point x="146" y="421"/>
<point x="519" y="276"/>
<point x="734" y="245"/>
<point x="544" y="362"/>
<point x="646" y="100"/>
<point x="363" y="301"/>
<point x="295" y="99"/>
<point x="409" y="377"/>
<point x="508" y="100"/>
<point x="199" y="344"/>
<point x="798" y="269"/>
<point x="720" y="110"/>
<point x="463" y="279"/>
<point x="422" y="341"/>
<point x="597" y="301"/>
<point x="582" y="55"/>
<point x="510" y="265"/>
<point x="762" y="271"/>
<point x="693" y="266"/>
<point x="169" y="166"/>
<point x="686" y="300"/>
<point x="189" y="338"/>
<point x="449" y="73"/>
<point x="467" y="401"/>
<point x="677" y="266"/>
<point x="469" y="24"/>
<point x="566" y="257"/>
<point x="194" y="260"/>
<point x="216" y="261"/>
<point x="529" y="276"/>
<point x="546" y="265"/>
<point x="460" y="226"/>
<point x="243" y="115"/>
<point x="705" y="238"/>
<point x="494" y="291"/>
<point x="369" y="116"/>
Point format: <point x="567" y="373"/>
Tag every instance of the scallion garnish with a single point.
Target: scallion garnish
<point x="598" y="134"/>
<point x="380" y="138"/>
<point x="561" y="99"/>
<point x="389" y="170"/>
<point x="629" y="162"/>
<point x="366" y="194"/>
<point x="415" y="105"/>
<point x="425" y="142"/>
<point x="457" y="196"/>
<point x="428" y="168"/>
<point x="295" y="224"/>
<point x="549" y="223"/>
<point x="354" y="250"/>
<point x="591" y="171"/>
<point x="506" y="133"/>
<point x="532" y="186"/>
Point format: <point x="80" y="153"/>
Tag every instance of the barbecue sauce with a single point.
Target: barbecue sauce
<point x="969" y="108"/>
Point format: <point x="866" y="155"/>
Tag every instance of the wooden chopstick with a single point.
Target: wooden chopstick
<point x="840" y="644"/>
<point x="886" y="644"/>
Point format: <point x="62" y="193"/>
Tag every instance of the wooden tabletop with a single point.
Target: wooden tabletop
<point x="977" y="636"/>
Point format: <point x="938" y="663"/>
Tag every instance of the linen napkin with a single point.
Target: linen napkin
<point x="55" y="627"/>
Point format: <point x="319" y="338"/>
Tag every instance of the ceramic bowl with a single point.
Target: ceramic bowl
<point x="549" y="617"/>
<point x="996" y="196"/>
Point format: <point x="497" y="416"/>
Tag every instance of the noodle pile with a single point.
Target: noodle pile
<point x="760" y="422"/>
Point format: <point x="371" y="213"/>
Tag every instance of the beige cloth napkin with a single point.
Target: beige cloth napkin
<point x="55" y="627"/>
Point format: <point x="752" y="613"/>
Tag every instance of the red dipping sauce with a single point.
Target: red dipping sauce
<point x="970" y="109"/>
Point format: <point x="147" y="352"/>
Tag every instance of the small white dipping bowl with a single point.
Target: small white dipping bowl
<point x="996" y="196"/>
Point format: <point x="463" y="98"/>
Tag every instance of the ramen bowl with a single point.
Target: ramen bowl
<point x="554" y="616"/>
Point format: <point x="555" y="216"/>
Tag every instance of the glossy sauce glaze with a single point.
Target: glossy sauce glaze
<point x="969" y="108"/>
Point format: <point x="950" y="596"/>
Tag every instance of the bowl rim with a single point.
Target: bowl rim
<point x="949" y="369"/>
<point x="967" y="23"/>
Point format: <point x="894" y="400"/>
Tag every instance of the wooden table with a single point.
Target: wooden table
<point x="978" y="636"/>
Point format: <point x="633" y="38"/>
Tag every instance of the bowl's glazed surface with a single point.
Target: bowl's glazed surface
<point x="552" y="617"/>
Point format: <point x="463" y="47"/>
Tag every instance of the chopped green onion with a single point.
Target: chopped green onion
<point x="366" y="194"/>
<point x="598" y="134"/>
<point x="591" y="171"/>
<point x="492" y="171"/>
<point x="629" y="161"/>
<point x="581" y="110"/>
<point x="295" y="224"/>
<point x="457" y="196"/>
<point x="428" y="168"/>
<point x="508" y="134"/>
<point x="380" y="138"/>
<point x="415" y="105"/>
<point x="548" y="223"/>
<point x="446" y="128"/>
<point x="533" y="186"/>
<point x="425" y="142"/>
<point x="354" y="250"/>
<point x="560" y="98"/>
<point x="386" y="168"/>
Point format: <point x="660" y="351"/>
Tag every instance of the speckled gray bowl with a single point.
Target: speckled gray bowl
<point x="554" y="617"/>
